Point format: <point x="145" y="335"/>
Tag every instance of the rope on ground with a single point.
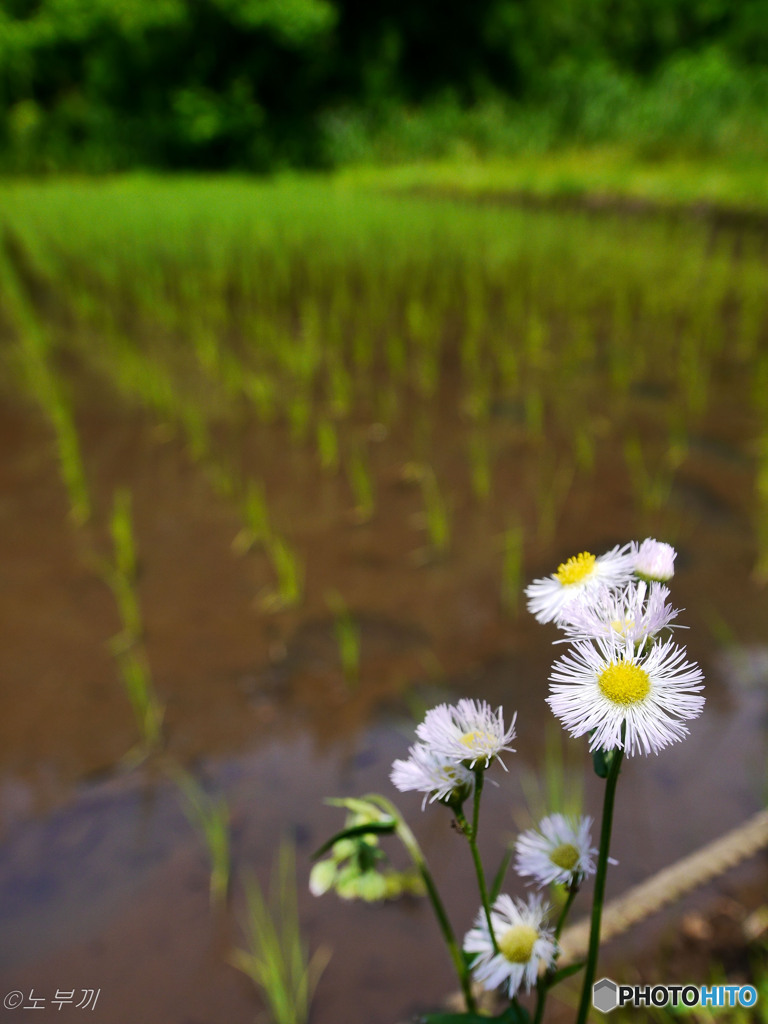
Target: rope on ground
<point x="669" y="884"/>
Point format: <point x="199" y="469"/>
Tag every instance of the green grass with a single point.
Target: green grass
<point x="594" y="173"/>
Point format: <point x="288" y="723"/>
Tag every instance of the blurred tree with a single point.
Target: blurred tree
<point x="200" y="83"/>
<point x="243" y="83"/>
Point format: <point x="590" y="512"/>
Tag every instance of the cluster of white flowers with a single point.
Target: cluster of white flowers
<point x="558" y="851"/>
<point x="623" y="681"/>
<point x="455" y="741"/>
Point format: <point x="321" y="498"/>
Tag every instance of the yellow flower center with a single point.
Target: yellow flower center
<point x="565" y="856"/>
<point x="477" y="736"/>
<point x="624" y="683"/>
<point x="575" y="569"/>
<point x="621" y="626"/>
<point x="516" y="944"/>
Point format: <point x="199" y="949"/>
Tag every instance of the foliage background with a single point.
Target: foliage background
<point x="257" y="85"/>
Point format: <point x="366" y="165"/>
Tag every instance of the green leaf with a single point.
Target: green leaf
<point x="565" y="972"/>
<point x="600" y="762"/>
<point x="365" y="808"/>
<point x="498" y="881"/>
<point x="321" y="877"/>
<point x="515" y="1014"/>
<point x="381" y="827"/>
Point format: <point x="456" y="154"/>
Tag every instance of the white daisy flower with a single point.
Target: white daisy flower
<point x="580" y="576"/>
<point x="468" y="732"/>
<point x="523" y="944"/>
<point x="636" y="612"/>
<point x="557" y="851"/>
<point x="653" y="560"/>
<point x="603" y="686"/>
<point x="437" y="776"/>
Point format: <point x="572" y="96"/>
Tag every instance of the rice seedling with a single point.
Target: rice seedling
<point x="120" y="575"/>
<point x="397" y="354"/>
<point x="512" y="568"/>
<point x="362" y="486"/>
<point x="275" y="957"/>
<point x="261" y="390"/>
<point x="205" y="342"/>
<point x="554" y="482"/>
<point x="477" y="400"/>
<point x="340" y="390"/>
<point x="348" y="637"/>
<point x="584" y="448"/>
<point x="480" y="466"/>
<point x="122" y="572"/>
<point x="34" y="345"/>
<point x="693" y="369"/>
<point x="224" y="484"/>
<point x="556" y="784"/>
<point x="289" y="572"/>
<point x="536" y="341"/>
<point x="508" y="362"/>
<point x="437" y="516"/>
<point x="425" y="346"/>
<point x="196" y="430"/>
<point x="69" y="454"/>
<point x="653" y="486"/>
<point x="139" y="688"/>
<point x="554" y="787"/>
<point x="299" y="416"/>
<point x="388" y="404"/>
<point x="327" y="445"/>
<point x="620" y="349"/>
<point x="210" y="816"/>
<point x="257" y="531"/>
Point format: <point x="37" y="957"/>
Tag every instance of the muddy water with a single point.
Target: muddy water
<point x="103" y="883"/>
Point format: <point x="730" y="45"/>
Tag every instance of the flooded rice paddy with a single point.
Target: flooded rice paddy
<point x="277" y="461"/>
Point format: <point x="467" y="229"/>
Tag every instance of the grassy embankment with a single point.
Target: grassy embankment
<point x="596" y="175"/>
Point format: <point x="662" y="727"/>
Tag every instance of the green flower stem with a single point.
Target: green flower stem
<point x="471" y="834"/>
<point x="409" y="841"/>
<point x="479" y="779"/>
<point x="602" y="870"/>
<point x="544" y="983"/>
<point x="573" y="890"/>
